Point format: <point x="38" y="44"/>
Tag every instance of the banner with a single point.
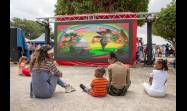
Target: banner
<point x="92" y="41"/>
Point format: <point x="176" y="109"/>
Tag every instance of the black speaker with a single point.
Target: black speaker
<point x="14" y="56"/>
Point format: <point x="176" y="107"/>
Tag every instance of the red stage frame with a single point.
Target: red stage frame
<point x="100" y="16"/>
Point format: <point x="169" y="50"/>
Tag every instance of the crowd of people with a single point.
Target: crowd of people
<point x="157" y="51"/>
<point x="46" y="76"/>
<point x="165" y="50"/>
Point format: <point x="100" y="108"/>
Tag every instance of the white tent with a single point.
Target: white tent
<point x="142" y="32"/>
<point x="27" y="40"/>
<point x="155" y="39"/>
<point x="40" y="39"/>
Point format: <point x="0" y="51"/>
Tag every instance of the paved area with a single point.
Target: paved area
<point x="135" y="99"/>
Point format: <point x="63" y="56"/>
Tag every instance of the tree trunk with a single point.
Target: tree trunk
<point x="173" y="40"/>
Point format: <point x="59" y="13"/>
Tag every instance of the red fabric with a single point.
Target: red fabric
<point x="104" y="56"/>
<point x="26" y="72"/>
<point x="73" y="63"/>
<point x="134" y="40"/>
<point x="145" y="50"/>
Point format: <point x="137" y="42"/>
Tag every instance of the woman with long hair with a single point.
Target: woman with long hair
<point x="45" y="75"/>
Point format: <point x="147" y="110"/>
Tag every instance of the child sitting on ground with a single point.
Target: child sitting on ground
<point x="98" y="85"/>
<point x="23" y="69"/>
<point x="157" y="80"/>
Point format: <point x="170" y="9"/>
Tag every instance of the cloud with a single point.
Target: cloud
<point x="32" y="9"/>
<point x="156" y="5"/>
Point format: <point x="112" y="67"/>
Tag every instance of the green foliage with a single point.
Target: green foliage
<point x="165" y="24"/>
<point x="70" y="34"/>
<point x="52" y="35"/>
<point x="95" y="6"/>
<point x="114" y="37"/>
<point x="78" y="38"/>
<point x="29" y="27"/>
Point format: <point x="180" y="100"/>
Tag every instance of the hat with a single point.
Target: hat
<point x="50" y="51"/>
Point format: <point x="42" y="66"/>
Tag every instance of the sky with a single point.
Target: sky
<point x="32" y="9"/>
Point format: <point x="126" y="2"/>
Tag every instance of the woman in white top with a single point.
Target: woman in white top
<point x="157" y="80"/>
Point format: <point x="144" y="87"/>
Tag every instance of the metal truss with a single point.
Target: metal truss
<point x="99" y="16"/>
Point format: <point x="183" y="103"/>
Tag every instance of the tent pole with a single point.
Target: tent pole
<point x="149" y="42"/>
<point x="47" y="33"/>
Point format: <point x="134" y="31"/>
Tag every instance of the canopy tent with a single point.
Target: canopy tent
<point x="20" y="39"/>
<point x="27" y="40"/>
<point x="40" y="39"/>
<point x="155" y="39"/>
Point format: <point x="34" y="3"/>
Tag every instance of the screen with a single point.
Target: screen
<point x="92" y="42"/>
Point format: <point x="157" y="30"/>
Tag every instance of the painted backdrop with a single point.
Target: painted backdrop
<point x="92" y="42"/>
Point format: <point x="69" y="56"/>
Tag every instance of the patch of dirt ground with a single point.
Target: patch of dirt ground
<point x="134" y="100"/>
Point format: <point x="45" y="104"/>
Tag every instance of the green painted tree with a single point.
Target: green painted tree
<point x="165" y="24"/>
<point x="95" y="6"/>
<point x="29" y="27"/>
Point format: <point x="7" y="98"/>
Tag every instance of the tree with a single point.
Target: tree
<point x="165" y="24"/>
<point x="11" y="23"/>
<point x="95" y="6"/>
<point x="52" y="35"/>
<point x="29" y="27"/>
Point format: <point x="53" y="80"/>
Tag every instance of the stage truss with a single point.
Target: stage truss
<point x="98" y="16"/>
<point x="147" y="17"/>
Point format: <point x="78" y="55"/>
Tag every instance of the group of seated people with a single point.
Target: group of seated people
<point x="45" y="77"/>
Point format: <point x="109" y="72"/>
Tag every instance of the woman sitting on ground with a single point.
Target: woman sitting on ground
<point x="119" y="76"/>
<point x="45" y="75"/>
